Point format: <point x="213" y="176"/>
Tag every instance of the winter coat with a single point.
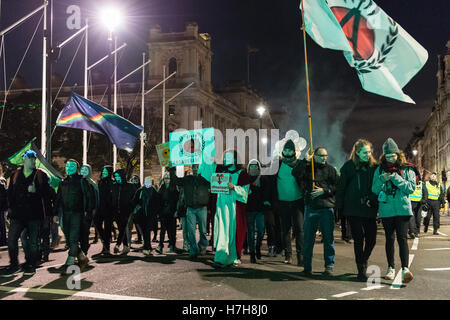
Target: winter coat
<point x="396" y="192"/>
<point x="259" y="191"/>
<point x="149" y="201"/>
<point x="272" y="180"/>
<point x="325" y="177"/>
<point x="196" y="189"/>
<point x="105" y="200"/>
<point x="26" y="205"/>
<point x="75" y="195"/>
<point x="3" y="195"/>
<point x="122" y="197"/>
<point x="169" y="200"/>
<point x="355" y="189"/>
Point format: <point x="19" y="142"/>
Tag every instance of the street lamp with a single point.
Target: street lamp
<point x="414" y="152"/>
<point x="111" y="18"/>
<point x="261" y="110"/>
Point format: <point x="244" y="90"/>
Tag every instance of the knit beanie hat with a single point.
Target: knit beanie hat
<point x="390" y="146"/>
<point x="289" y="145"/>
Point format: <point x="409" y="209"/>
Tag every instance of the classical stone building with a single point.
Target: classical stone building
<point x="432" y="143"/>
<point x="189" y="54"/>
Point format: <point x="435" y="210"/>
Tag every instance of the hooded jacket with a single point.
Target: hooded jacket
<point x="122" y="196"/>
<point x="93" y="186"/>
<point x="325" y="177"/>
<point x="169" y="200"/>
<point x="149" y="201"/>
<point x="105" y="193"/>
<point x="259" y="191"/>
<point x="75" y="195"/>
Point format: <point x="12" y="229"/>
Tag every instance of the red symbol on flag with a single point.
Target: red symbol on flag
<point x="219" y="178"/>
<point x="359" y="34"/>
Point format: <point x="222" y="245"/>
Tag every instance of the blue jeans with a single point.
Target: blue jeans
<point x="255" y="221"/>
<point x="313" y="217"/>
<point x="31" y="243"/>
<point x="194" y="216"/>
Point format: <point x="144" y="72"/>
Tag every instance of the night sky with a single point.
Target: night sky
<point x="342" y="112"/>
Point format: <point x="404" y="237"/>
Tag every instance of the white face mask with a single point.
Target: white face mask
<point x="84" y="171"/>
<point x="148" y="182"/>
<point x="228" y="159"/>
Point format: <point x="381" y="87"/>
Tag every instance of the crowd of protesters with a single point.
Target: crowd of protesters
<point x="305" y="197"/>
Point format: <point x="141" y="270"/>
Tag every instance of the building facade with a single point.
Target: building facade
<point x="431" y="145"/>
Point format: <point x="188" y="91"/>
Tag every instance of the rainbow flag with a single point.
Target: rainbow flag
<point x="81" y="113"/>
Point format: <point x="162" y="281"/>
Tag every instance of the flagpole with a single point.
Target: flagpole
<point x="141" y="164"/>
<point x="307" y="93"/>
<point x="44" y="86"/>
<point x="163" y="113"/>
<point x="85" y="151"/>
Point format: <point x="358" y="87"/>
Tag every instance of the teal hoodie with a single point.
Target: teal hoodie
<point x="397" y="204"/>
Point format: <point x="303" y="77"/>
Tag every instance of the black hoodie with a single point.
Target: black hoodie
<point x="105" y="193"/>
<point x="122" y="196"/>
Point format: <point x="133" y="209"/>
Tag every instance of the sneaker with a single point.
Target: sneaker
<point x="299" y="260"/>
<point x="271" y="251"/>
<point x="237" y="262"/>
<point x="70" y="261"/>
<point x="125" y="251"/>
<point x="146" y="253"/>
<point x="425" y="229"/>
<point x="412" y="236"/>
<point x="116" y="249"/>
<point x="288" y="259"/>
<point x="390" y="275"/>
<point x="258" y="253"/>
<point x="82" y="259"/>
<point x="407" y="276"/>
<point x="10" y="271"/>
<point x="435" y="233"/>
<point x="159" y="250"/>
<point x="29" y="270"/>
<point x="307" y="273"/>
<point x="171" y="249"/>
<point x="202" y="251"/>
<point x="45" y="257"/>
<point x="328" y="271"/>
<point x="252" y="257"/>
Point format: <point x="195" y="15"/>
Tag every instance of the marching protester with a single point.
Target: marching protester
<point x="147" y="203"/>
<point x="196" y="195"/>
<point x="289" y="203"/>
<point x="122" y="197"/>
<point x="28" y="197"/>
<point x="230" y="219"/>
<point x="418" y="200"/>
<point x="131" y="221"/>
<point x="76" y="200"/>
<point x="169" y="198"/>
<point x="86" y="220"/>
<point x="181" y="213"/>
<point x="104" y="216"/>
<point x="436" y="200"/>
<point x="319" y="206"/>
<point x="394" y="180"/>
<point x="356" y="201"/>
<point x="3" y="208"/>
<point x="256" y="206"/>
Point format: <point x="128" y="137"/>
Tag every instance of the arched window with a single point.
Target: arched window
<point x="172" y="65"/>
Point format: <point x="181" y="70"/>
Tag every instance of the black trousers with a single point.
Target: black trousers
<point x="291" y="216"/>
<point x="396" y="225"/>
<point x="364" y="233"/>
<point x="169" y="225"/>
<point x="85" y="229"/>
<point x="273" y="228"/>
<point x="346" y="231"/>
<point x="146" y="224"/>
<point x="31" y="245"/>
<point x="104" y="231"/>
<point x="416" y="219"/>
<point x="44" y="236"/>
<point x="434" y="211"/>
<point x="122" y="223"/>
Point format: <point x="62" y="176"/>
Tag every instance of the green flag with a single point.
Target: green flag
<point x="54" y="176"/>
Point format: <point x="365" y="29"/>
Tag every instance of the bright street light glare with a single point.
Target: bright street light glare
<point x="261" y="110"/>
<point x="415" y="152"/>
<point x="111" y="17"/>
<point x="264" y="140"/>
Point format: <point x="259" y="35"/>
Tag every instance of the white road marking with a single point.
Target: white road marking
<point x="321" y="299"/>
<point x="340" y="295"/>
<point x="74" y="293"/>
<point x="435" y="237"/>
<point x="398" y="279"/>
<point x="415" y="244"/>
<point x="443" y="234"/>
<point x="436" y="269"/>
<point x="372" y="288"/>
<point x="48" y="267"/>
<point x="436" y="249"/>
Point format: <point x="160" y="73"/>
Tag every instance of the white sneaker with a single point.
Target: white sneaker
<point x="146" y="253"/>
<point x="237" y="262"/>
<point x="390" y="275"/>
<point x="116" y="249"/>
<point x="125" y="250"/>
<point x="407" y="275"/>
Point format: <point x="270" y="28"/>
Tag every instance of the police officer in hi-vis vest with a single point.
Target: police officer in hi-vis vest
<point x="418" y="199"/>
<point x="435" y="200"/>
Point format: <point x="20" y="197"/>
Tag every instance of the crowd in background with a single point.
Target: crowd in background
<point x="305" y="197"/>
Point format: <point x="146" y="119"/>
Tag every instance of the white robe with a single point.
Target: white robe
<point x="225" y="217"/>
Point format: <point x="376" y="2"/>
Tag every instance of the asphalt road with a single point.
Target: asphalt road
<point x="175" y="277"/>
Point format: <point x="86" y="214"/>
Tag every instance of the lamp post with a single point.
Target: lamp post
<point x="111" y="19"/>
